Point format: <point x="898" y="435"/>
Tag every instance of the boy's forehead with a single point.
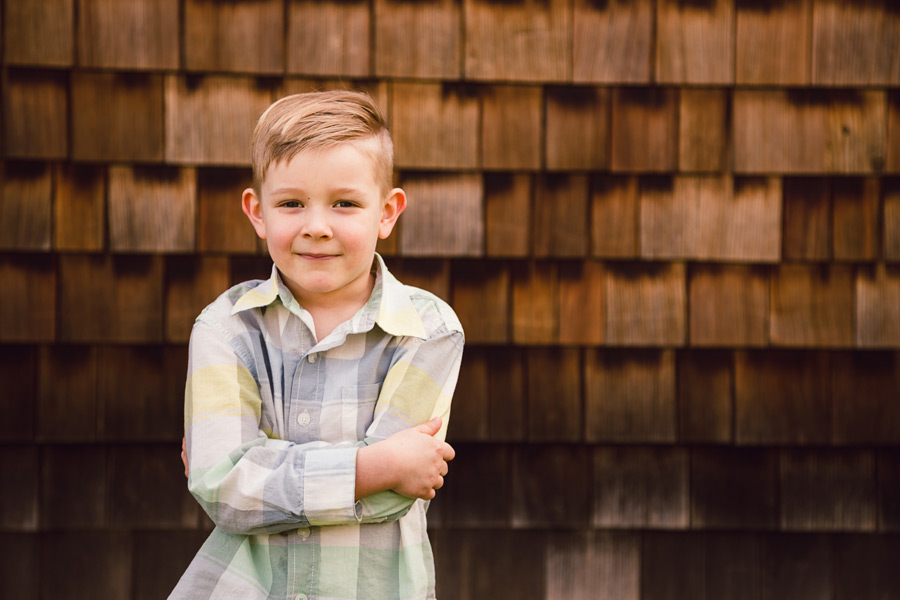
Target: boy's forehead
<point x="340" y="161"/>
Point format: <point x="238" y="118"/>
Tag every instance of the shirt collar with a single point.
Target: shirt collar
<point x="389" y="306"/>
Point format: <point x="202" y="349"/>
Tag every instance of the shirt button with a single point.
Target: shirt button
<point x="303" y="532"/>
<point x="303" y="419"/>
<point x="312" y="358"/>
<point x="300" y="597"/>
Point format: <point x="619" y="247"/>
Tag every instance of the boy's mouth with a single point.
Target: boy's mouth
<point x="316" y="255"/>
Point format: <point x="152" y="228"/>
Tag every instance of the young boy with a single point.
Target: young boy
<point x="317" y="400"/>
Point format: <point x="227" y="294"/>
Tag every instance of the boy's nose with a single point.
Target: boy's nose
<point x="316" y="226"/>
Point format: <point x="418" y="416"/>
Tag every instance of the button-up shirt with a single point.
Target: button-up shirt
<point x="273" y="420"/>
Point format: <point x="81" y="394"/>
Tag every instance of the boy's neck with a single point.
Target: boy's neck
<point x="329" y="311"/>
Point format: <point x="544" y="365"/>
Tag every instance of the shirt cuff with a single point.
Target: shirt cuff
<point x="329" y="486"/>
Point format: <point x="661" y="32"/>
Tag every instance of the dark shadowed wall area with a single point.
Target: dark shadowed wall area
<point x="671" y="229"/>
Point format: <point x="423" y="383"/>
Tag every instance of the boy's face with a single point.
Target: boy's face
<point x="321" y="214"/>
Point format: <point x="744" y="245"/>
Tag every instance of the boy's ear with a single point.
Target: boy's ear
<point x="390" y="212"/>
<point x="252" y="207"/>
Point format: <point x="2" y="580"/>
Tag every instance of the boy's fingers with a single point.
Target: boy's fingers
<point x="447" y="452"/>
<point x="431" y="427"/>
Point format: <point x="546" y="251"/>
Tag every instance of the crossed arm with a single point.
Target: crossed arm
<point x="249" y="483"/>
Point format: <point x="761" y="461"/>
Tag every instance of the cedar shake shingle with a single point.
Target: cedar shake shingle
<point x="222" y="225"/>
<point x="593" y="564"/>
<point x="554" y="405"/>
<point x="329" y="38"/>
<point x="90" y="564"/>
<point x="630" y="396"/>
<point x="19" y="372"/>
<point x="550" y="487"/>
<point x="856" y="203"/>
<point x="79" y="210"/>
<point x="705" y="396"/>
<point x="729" y="305"/>
<point x="128" y="34"/>
<point x="734" y="488"/>
<point x="471" y="400"/>
<point x="192" y="283"/>
<point x="535" y="303"/>
<point x="26" y="201"/>
<point x="865" y="390"/>
<point x="773" y="42"/>
<point x="35" y="117"/>
<point x="613" y="41"/>
<point x="878" y="306"/>
<point x="20" y="469"/>
<point x="245" y="37"/>
<point x="527" y="41"/>
<point x="644" y="129"/>
<point x="511" y="123"/>
<point x="808" y="218"/>
<point x="67" y="409"/>
<point x="694" y="42"/>
<point x="645" y="304"/>
<point x="703" y="127"/>
<point x="74" y="487"/>
<point x="39" y="32"/>
<point x="615" y="214"/>
<point x="481" y="299"/>
<point x="445" y="216"/>
<point x="433" y="51"/>
<point x="561" y="222"/>
<point x="582" y="300"/>
<point x="28" y="312"/>
<point x="508" y="198"/>
<point x="577" y="128"/>
<point x="813" y="305"/>
<point x="481" y="494"/>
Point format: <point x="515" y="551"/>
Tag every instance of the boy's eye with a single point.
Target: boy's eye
<point x="291" y="204"/>
<point x="345" y="204"/>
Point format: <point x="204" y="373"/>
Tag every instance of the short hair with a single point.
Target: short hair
<point x="320" y="120"/>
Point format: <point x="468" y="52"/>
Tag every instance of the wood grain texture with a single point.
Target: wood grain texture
<point x="550" y="486"/>
<point x="241" y="36"/>
<point x="19" y="505"/>
<point x="855" y="43"/>
<point x="593" y="565"/>
<point x="79" y="210"/>
<point x="507" y="394"/>
<point x="35" y="117"/>
<point x="74" y="487"/>
<point x="471" y="399"/>
<point x="695" y="41"/>
<point x="39" y="32"/>
<point x="152" y="209"/>
<point x="865" y="387"/>
<point x="734" y="488"/>
<point x="128" y="34"/>
<point x="511" y="127"/>
<point x="891" y="220"/>
<point x="878" y="306"/>
<point x="644" y="130"/>
<point x="640" y="487"/>
<point x="782" y="397"/>
<point x="712" y="218"/>
<point x="889" y="490"/>
<point x="645" y="304"/>
<point x="191" y="284"/>
<point x="222" y="225"/>
<point x="577" y="128"/>
<point x="28" y="312"/>
<point x="159" y="559"/>
<point x="705" y="396"/>
<point x="703" y="130"/>
<point x="615" y="214"/>
<point x="145" y="492"/>
<point x="824" y="489"/>
<point x="116" y="117"/>
<point x="96" y="564"/>
<point x="117" y="299"/>
<point x="729" y="305"/>
<point x="873" y="555"/>
<point x="613" y="41"/>
<point x="521" y="41"/>
<point x="435" y="126"/>
<point x="893" y="133"/>
<point x="329" y="38"/>
<point x="508" y="200"/>
<point x="444" y="216"/>
<point x="856" y="205"/>
<point x="808" y="219"/>
<point x="428" y="274"/>
<point x="672" y="565"/>
<point x="810" y="131"/>
<point x="813" y="305"/>
<point x="26" y="206"/>
<point x="561" y="216"/>
<point x="481" y="494"/>
<point x="66" y="407"/>
<point x="435" y="51"/>
<point x="535" y="303"/>
<point x="582" y="303"/>
<point x="773" y="42"/>
<point x="554" y="407"/>
<point x="20" y="564"/>
<point x="210" y="120"/>
<point x="630" y="396"/>
<point x="18" y="371"/>
<point x="481" y="299"/>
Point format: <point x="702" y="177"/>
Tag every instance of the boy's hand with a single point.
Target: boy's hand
<point x="411" y="462"/>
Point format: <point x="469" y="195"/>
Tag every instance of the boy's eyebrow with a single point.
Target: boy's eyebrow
<point x="337" y="191"/>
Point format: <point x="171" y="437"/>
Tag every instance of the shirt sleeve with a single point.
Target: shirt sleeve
<point x="418" y="387"/>
<point x="246" y="482"/>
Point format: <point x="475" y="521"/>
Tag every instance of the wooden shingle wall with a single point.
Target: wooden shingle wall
<point x="670" y="227"/>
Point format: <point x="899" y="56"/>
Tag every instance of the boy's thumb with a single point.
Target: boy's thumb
<point x="431" y="427"/>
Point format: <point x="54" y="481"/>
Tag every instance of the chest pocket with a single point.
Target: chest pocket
<point x="357" y="410"/>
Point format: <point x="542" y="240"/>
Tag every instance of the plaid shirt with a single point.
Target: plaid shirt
<point x="274" y="419"/>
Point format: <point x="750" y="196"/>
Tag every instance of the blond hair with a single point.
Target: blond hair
<point x="320" y="120"/>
